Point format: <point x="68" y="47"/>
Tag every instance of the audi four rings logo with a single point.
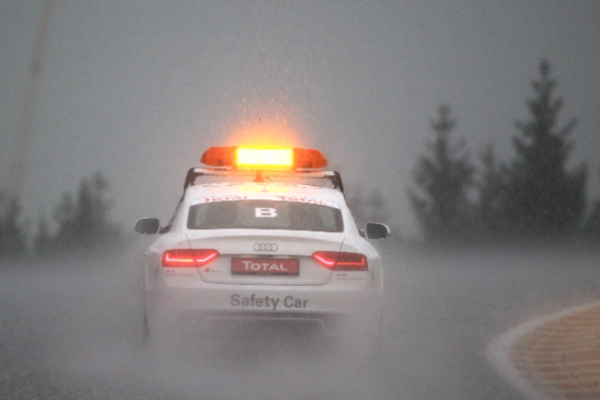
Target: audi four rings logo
<point x="265" y="247"/>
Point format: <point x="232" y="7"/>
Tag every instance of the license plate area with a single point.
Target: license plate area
<point x="265" y="266"/>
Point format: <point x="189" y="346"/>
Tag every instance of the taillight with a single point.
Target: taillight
<point x="188" y="257"/>
<point x="340" y="261"/>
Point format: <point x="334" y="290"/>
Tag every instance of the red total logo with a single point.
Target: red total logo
<point x="264" y="266"/>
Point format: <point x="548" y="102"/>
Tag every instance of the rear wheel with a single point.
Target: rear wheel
<point x="369" y="342"/>
<point x="146" y="330"/>
<point x="145" y="325"/>
<point x="375" y="344"/>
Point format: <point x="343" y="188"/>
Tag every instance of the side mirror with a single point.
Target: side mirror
<point x="147" y="226"/>
<point x="375" y="230"/>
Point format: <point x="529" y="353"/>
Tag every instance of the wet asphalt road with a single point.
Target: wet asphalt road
<point x="72" y="330"/>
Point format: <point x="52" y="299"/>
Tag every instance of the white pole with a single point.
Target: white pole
<point x="23" y="132"/>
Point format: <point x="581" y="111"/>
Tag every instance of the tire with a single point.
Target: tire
<point x="146" y="330"/>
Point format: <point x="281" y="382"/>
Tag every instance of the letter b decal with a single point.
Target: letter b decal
<point x="265" y="212"/>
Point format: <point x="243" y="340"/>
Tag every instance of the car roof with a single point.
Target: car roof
<point x="272" y="191"/>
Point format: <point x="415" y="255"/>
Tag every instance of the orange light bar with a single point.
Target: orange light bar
<point x="257" y="158"/>
<point x="309" y="158"/>
<point x="219" y="157"/>
<point x="264" y="158"/>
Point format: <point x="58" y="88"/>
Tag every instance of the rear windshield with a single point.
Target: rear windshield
<point x="265" y="214"/>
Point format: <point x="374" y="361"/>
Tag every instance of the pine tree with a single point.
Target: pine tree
<point x="66" y="235"/>
<point x="91" y="217"/>
<point x="592" y="222"/>
<point x="443" y="178"/>
<point x="376" y="207"/>
<point x="43" y="241"/>
<point x="544" y="198"/>
<point x="13" y="243"/>
<point x="492" y="193"/>
<point x="371" y="208"/>
<point x="83" y="223"/>
<point x="358" y="205"/>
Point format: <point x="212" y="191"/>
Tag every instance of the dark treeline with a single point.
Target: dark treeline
<point x="533" y="196"/>
<point x="80" y="225"/>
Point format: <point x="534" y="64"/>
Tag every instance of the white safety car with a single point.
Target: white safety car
<point x="263" y="236"/>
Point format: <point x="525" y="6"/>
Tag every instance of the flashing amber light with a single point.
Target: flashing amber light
<point x="263" y="158"/>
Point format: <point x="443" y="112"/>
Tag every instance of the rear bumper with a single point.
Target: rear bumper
<point x="256" y="323"/>
<point x="334" y="312"/>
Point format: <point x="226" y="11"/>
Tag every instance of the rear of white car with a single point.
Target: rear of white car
<point x="266" y="253"/>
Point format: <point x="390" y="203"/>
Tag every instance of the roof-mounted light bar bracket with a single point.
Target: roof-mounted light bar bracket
<point x="333" y="176"/>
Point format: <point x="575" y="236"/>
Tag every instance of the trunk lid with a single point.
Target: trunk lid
<point x="269" y="258"/>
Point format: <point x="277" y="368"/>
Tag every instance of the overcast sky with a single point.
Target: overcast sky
<point x="139" y="89"/>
